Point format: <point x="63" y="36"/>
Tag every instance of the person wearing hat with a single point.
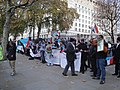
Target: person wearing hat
<point x="71" y="56"/>
<point x="117" y="58"/>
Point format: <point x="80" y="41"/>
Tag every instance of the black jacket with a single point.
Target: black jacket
<point x="11" y="51"/>
<point x="70" y="52"/>
<point x="117" y="52"/>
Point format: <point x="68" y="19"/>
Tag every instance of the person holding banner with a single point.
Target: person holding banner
<point x="11" y="55"/>
<point x="101" y="55"/>
<point x="71" y="56"/>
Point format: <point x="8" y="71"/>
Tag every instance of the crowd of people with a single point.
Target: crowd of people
<point x="93" y="54"/>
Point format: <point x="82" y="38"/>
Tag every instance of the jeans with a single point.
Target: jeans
<point x="101" y="69"/>
<point x="49" y="59"/>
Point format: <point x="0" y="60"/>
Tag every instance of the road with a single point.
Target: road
<point x="33" y="75"/>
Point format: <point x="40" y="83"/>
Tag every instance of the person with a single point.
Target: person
<point x="49" y="54"/>
<point x="42" y="51"/>
<point x="93" y="51"/>
<point x="71" y="56"/>
<point x="11" y="55"/>
<point x="62" y="47"/>
<point x="101" y="55"/>
<point x="117" y="58"/>
<point x="82" y="47"/>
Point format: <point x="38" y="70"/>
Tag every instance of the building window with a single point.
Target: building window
<point x="85" y="30"/>
<point x="82" y="11"/>
<point x="82" y="7"/>
<point x="82" y="30"/>
<point x="82" y="21"/>
<point x="75" y="24"/>
<point x="82" y="16"/>
<point x="75" y="5"/>
<point x="79" y="30"/>
<point x="79" y="25"/>
<point x="85" y="26"/>
<point x="89" y="18"/>
<point x="88" y="22"/>
<point x="75" y="29"/>
<point x="88" y="31"/>
<point x="79" y="6"/>
<point x="82" y="25"/>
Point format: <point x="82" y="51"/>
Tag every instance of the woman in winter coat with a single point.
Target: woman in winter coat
<point x="11" y="55"/>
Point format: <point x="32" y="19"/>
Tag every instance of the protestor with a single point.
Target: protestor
<point x="102" y="48"/>
<point x="82" y="47"/>
<point x="49" y="54"/>
<point x="42" y="51"/>
<point x="93" y="51"/>
<point x="117" y="58"/>
<point x="62" y="47"/>
<point x="11" y="55"/>
<point x="28" y="44"/>
<point x="70" y="56"/>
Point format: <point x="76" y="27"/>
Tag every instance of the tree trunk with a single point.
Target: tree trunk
<point x="6" y="29"/>
<point x="39" y="30"/>
<point x="33" y="33"/>
<point x="112" y="37"/>
<point x="30" y="31"/>
<point x="112" y="32"/>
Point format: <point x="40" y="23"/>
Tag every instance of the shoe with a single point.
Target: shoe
<point x="102" y="82"/>
<point x="12" y="74"/>
<point x="118" y="76"/>
<point x="44" y="62"/>
<point x="93" y="75"/>
<point x="114" y="74"/>
<point x="82" y="72"/>
<point x="64" y="74"/>
<point x="91" y="70"/>
<point x="74" y="74"/>
<point x="96" y="78"/>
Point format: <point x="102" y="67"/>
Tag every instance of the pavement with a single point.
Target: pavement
<point x="33" y="75"/>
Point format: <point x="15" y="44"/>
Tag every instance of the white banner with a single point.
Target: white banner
<point x="77" y="62"/>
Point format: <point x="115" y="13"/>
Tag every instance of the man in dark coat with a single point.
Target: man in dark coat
<point x="11" y="51"/>
<point x="70" y="55"/>
<point x="82" y="47"/>
<point x="117" y="58"/>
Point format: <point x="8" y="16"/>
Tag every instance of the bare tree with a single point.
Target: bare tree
<point x="108" y="16"/>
